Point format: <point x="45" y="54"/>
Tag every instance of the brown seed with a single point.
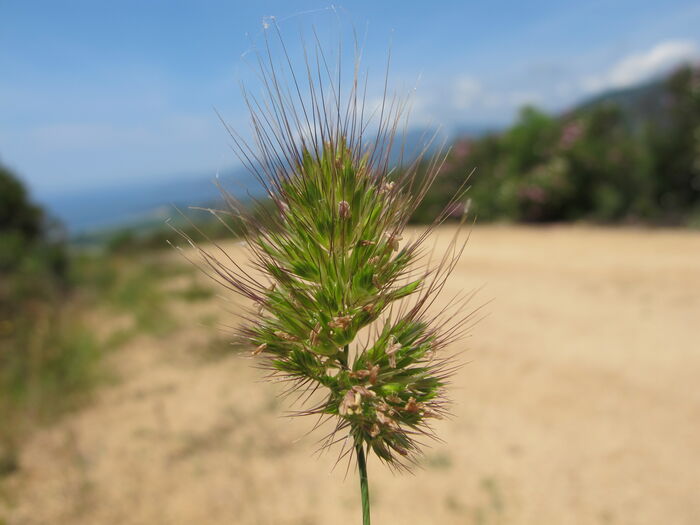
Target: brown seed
<point x="412" y="406"/>
<point x="393" y="241"/>
<point x="431" y="413"/>
<point x="381" y="406"/>
<point x="374" y="431"/>
<point x="359" y="374"/>
<point x="342" y="322"/>
<point x="367" y="243"/>
<point x="394" y="398"/>
<point x="373" y="373"/>
<point x="387" y="421"/>
<point x="387" y="187"/>
<point x="363" y="391"/>
<point x="344" y="210"/>
<point x="285" y="336"/>
<point x="259" y="349"/>
<point x="392" y="347"/>
<point x="349" y="403"/>
<point x="400" y="450"/>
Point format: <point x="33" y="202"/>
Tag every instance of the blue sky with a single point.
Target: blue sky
<point x="93" y="94"/>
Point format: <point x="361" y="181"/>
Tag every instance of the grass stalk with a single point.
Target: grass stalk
<point x="332" y="265"/>
<point x="364" y="483"/>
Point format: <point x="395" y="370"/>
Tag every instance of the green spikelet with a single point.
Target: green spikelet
<point x="337" y="264"/>
<point x="340" y="298"/>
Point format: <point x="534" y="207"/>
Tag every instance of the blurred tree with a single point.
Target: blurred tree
<point x="32" y="268"/>
<point x="627" y="156"/>
<point x="17" y="213"/>
<point x="675" y="141"/>
<point x="32" y="255"/>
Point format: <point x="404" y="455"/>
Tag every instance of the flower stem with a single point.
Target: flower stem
<point x="364" y="484"/>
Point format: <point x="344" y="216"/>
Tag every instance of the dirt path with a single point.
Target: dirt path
<point x="580" y="405"/>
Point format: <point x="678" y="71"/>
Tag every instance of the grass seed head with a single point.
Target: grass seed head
<point x="347" y="314"/>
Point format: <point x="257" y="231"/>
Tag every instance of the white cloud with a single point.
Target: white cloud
<point x="466" y="92"/>
<point x="643" y="66"/>
<point x="465" y="98"/>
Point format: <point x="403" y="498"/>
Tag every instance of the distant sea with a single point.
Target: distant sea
<point x="148" y="202"/>
<point x="144" y="202"/>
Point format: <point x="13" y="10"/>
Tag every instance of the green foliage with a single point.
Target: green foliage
<point x="138" y="240"/>
<point x="133" y="285"/>
<point x="603" y="162"/>
<point x="47" y="356"/>
<point x="57" y="369"/>
<point x="676" y="146"/>
<point x="32" y="274"/>
<point x="195" y="292"/>
<point x="17" y="214"/>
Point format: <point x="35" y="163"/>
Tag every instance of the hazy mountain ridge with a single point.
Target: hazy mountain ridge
<point x="640" y="104"/>
<point x="138" y="202"/>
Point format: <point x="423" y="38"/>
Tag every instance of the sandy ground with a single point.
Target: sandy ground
<point x="579" y="404"/>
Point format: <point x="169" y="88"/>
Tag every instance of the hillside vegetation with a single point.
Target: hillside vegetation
<point x="631" y="156"/>
<point x="62" y="308"/>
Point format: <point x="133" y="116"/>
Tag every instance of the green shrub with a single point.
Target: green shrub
<point x="602" y="162"/>
<point x="47" y="355"/>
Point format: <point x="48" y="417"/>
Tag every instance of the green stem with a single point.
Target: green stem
<point x="364" y="484"/>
